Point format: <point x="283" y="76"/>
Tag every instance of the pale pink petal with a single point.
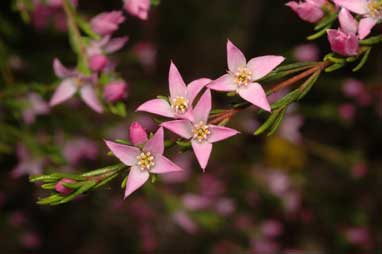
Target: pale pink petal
<point x="176" y="82"/>
<point x="225" y="83"/>
<point x="356" y="6"/>
<point x="155" y="145"/>
<point x="219" y="133"/>
<point x="158" y="107"/>
<point x="202" y="152"/>
<point x="126" y="154"/>
<point x="365" y="26"/>
<point x="254" y="93"/>
<point x="195" y="87"/>
<point x="135" y="180"/>
<point x="90" y="98"/>
<point x="182" y="128"/>
<point x="115" y="44"/>
<point x="263" y="65"/>
<point x="63" y="92"/>
<point x="347" y="21"/>
<point x="235" y="58"/>
<point x="164" y="165"/>
<point x="60" y="70"/>
<point x="203" y="108"/>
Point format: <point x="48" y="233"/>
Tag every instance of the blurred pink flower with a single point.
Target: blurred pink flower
<point x="359" y="170"/>
<point x="242" y="76"/>
<point x="107" y="22"/>
<point x="201" y="134"/>
<point x="146" y="53"/>
<point x="181" y="97"/>
<point x="28" y="164"/>
<point x="185" y="222"/>
<point x="225" y="206"/>
<point x="35" y="106"/>
<point x="347" y="111"/>
<point x="184" y="160"/>
<point x="344" y="41"/>
<point x="271" y="228"/>
<point x="353" y="88"/>
<point x="195" y="202"/>
<point x="98" y="62"/>
<point x="306" y="52"/>
<point x="115" y="91"/>
<point x="264" y="246"/>
<point x="138" y="8"/>
<point x="308" y="10"/>
<point x="290" y="128"/>
<point x="73" y="81"/>
<point x="370" y="11"/>
<point x="137" y="134"/>
<point x="30" y="240"/>
<point x="358" y="236"/>
<point x="79" y="149"/>
<point x="143" y="161"/>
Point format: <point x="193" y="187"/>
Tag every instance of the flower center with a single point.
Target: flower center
<point x="78" y="82"/>
<point x="243" y="76"/>
<point x="201" y="131"/>
<point x="145" y="161"/>
<point x="179" y="104"/>
<point x="375" y="8"/>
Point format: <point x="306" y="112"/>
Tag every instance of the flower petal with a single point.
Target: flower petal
<point x="176" y="82"/>
<point x="225" y="83"/>
<point x="137" y="134"/>
<point x="347" y="21"/>
<point x="195" y="87"/>
<point x="126" y="154"/>
<point x="60" y="70"/>
<point x="135" y="180"/>
<point x="235" y="58"/>
<point x="202" y="152"/>
<point x="254" y="93"/>
<point x="182" y="128"/>
<point x="164" y="165"/>
<point x="158" y="107"/>
<point x="203" y="108"/>
<point x="356" y="6"/>
<point x="63" y="92"/>
<point x="90" y="98"/>
<point x="263" y="65"/>
<point x="115" y="44"/>
<point x="155" y="145"/>
<point x="365" y="26"/>
<point x="219" y="133"/>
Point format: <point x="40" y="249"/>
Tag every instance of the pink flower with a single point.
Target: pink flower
<point x="347" y="111"/>
<point x="71" y="83"/>
<point x="138" y="8"/>
<point x="143" y="160"/>
<point x="370" y="10"/>
<point x="181" y="97"/>
<point x="78" y="149"/>
<point x="60" y="188"/>
<point x="242" y="76"/>
<point x="28" y="164"/>
<point x="107" y="22"/>
<point x="306" y="53"/>
<point x="98" y="62"/>
<point x="309" y="10"/>
<point x="115" y="91"/>
<point x="353" y="88"/>
<point x="184" y="221"/>
<point x="36" y="106"/>
<point x="146" y="53"/>
<point x="106" y="45"/>
<point x="344" y="41"/>
<point x="201" y="134"/>
<point x="137" y="134"/>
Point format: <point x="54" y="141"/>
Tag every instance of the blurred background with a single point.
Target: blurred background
<point x="314" y="187"/>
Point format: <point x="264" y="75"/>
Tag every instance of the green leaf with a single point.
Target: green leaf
<point x="106" y="180"/>
<point x="286" y="100"/>
<point x="271" y="119"/>
<point x="124" y="181"/>
<point x="105" y="170"/>
<point x="51" y="199"/>
<point x="319" y="33"/>
<point x="363" y="60"/>
<point x="334" y="67"/>
<point x="183" y="143"/>
<point x="328" y="20"/>
<point x="305" y="88"/>
<point x="49" y="186"/>
<point x="276" y="124"/>
<point x="371" y="41"/>
<point x="84" y="188"/>
<point x="86" y="28"/>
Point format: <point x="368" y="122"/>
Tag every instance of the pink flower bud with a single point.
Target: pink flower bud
<point x="306" y="52"/>
<point x="347" y="111"/>
<point x="353" y="88"/>
<point x="60" y="188"/>
<point x="310" y="10"/>
<point x="98" y="62"/>
<point x="137" y="134"/>
<point x="342" y="43"/>
<point x="115" y="91"/>
<point x="138" y="8"/>
<point x="107" y="22"/>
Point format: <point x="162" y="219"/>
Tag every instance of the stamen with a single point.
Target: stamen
<point x="243" y="76"/>
<point x="375" y="8"/>
<point x="145" y="161"/>
<point x="179" y="104"/>
<point x="201" y="132"/>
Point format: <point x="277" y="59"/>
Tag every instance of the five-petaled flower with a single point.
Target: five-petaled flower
<point x="370" y="10"/>
<point x="181" y="97"/>
<point x="201" y="134"/>
<point x="145" y="157"/>
<point x="242" y="76"/>
<point x="309" y="10"/>
<point x="72" y="82"/>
